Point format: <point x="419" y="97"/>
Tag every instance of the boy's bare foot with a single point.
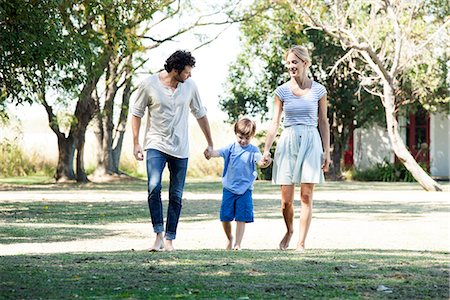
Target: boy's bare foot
<point x="158" y="245"/>
<point x="229" y="244"/>
<point x="284" y="244"/>
<point x="169" y="245"/>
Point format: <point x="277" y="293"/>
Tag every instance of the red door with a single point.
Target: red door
<point x="418" y="136"/>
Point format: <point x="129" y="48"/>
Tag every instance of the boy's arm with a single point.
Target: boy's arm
<point x="214" y="153"/>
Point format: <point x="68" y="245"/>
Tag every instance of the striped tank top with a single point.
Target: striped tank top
<point x="300" y="109"/>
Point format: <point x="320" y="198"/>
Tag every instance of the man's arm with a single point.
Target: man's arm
<point x="204" y="125"/>
<point x="135" y="126"/>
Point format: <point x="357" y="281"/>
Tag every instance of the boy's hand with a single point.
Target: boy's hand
<point x="265" y="162"/>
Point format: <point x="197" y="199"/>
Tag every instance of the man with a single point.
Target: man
<point x="168" y="96"/>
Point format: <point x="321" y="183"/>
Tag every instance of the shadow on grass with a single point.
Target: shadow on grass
<point x="11" y="234"/>
<point x="193" y="210"/>
<point x="215" y="274"/>
<point x="40" y="183"/>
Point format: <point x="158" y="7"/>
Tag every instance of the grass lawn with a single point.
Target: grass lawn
<point x="204" y="274"/>
<point x="227" y="275"/>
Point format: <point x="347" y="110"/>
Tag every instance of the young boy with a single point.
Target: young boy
<point x="238" y="175"/>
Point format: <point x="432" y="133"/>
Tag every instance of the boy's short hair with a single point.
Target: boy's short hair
<point x="246" y="127"/>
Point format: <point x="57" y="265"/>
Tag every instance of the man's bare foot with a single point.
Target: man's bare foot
<point x="169" y="245"/>
<point x="158" y="245"/>
<point x="284" y="244"/>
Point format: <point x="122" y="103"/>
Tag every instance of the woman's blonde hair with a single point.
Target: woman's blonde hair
<point x="301" y="52"/>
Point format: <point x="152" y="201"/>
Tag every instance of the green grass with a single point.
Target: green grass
<point x="21" y="234"/>
<point x="324" y="274"/>
<point x="205" y="274"/>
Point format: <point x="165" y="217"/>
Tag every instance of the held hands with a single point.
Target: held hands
<point x="208" y="152"/>
<point x="138" y="153"/>
<point x="266" y="160"/>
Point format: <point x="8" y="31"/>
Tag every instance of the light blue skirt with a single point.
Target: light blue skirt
<point x="298" y="156"/>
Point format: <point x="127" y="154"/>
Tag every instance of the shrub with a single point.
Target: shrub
<point x="385" y="171"/>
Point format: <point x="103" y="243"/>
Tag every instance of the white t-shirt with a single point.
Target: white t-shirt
<point x="168" y="114"/>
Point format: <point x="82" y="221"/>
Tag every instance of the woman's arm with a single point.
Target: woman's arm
<point x="324" y="128"/>
<point x="272" y="132"/>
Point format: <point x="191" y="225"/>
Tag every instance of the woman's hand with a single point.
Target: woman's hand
<point x="326" y="160"/>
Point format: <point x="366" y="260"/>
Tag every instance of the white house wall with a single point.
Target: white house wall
<point x="440" y="145"/>
<point x="371" y="146"/>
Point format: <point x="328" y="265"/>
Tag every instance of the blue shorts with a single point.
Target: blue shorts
<point x="236" y="207"/>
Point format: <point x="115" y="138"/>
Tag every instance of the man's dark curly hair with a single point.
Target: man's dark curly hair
<point x="179" y="60"/>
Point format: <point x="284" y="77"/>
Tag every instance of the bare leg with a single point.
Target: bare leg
<point x="158" y="245"/>
<point x="306" y="195"/>
<point x="240" y="228"/>
<point x="227" y="229"/>
<point x="287" y="208"/>
<point x="169" y="245"/>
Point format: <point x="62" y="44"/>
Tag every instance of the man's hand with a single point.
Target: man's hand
<point x="207" y="152"/>
<point x="138" y="153"/>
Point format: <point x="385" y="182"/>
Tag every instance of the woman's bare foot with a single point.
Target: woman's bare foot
<point x="229" y="244"/>
<point x="284" y="244"/>
<point x="169" y="245"/>
<point x="300" y="248"/>
<point x="158" y="245"/>
<point x="237" y="247"/>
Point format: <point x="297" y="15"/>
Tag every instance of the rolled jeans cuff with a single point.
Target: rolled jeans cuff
<point x="170" y="235"/>
<point x="158" y="228"/>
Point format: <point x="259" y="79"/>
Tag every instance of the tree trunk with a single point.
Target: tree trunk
<point x="399" y="147"/>
<point x="66" y="150"/>
<point x="84" y="112"/>
<point x="122" y="124"/>
<point x="110" y="138"/>
<point x="81" y="172"/>
<point x="66" y="145"/>
<point x="337" y="154"/>
<point x="105" y="120"/>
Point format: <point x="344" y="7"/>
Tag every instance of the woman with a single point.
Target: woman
<point x="302" y="155"/>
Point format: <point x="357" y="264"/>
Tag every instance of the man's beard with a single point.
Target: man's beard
<point x="178" y="78"/>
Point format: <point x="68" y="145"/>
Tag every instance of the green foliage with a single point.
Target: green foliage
<point x="259" y="69"/>
<point x="386" y="172"/>
<point x="36" y="53"/>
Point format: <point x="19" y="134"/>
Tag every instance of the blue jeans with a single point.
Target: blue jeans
<point x="156" y="162"/>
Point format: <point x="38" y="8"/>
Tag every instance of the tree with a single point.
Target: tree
<point x="39" y="57"/>
<point x="83" y="51"/>
<point x="259" y="70"/>
<point x="399" y="41"/>
<point x="127" y="58"/>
